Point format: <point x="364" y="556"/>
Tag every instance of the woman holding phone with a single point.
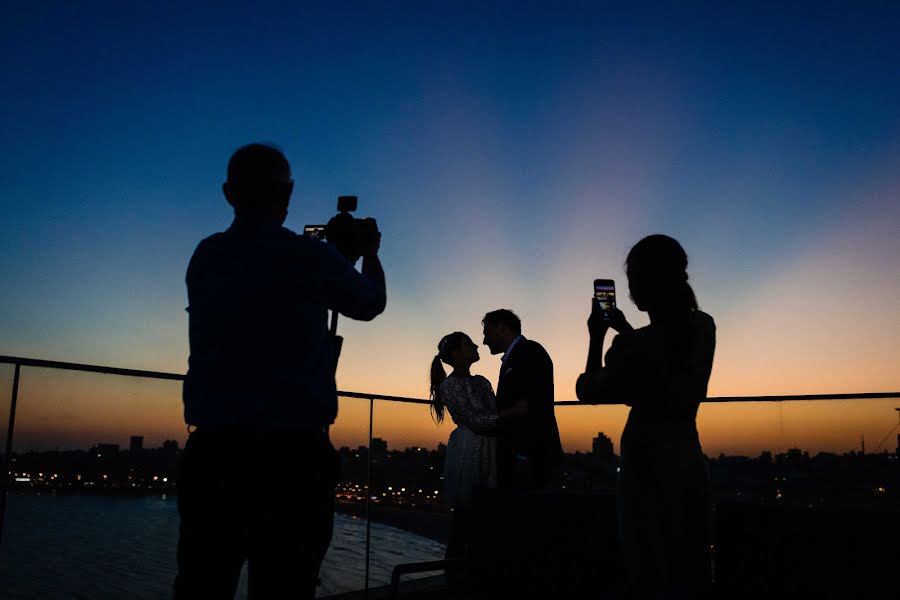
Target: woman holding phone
<point x="661" y="371"/>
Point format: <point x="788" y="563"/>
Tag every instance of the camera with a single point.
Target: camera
<point x="351" y="236"/>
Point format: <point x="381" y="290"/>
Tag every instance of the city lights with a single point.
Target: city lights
<point x="402" y="477"/>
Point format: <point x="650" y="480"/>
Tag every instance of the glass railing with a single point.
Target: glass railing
<point x="92" y="492"/>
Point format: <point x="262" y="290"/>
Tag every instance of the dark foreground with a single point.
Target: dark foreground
<point x="556" y="545"/>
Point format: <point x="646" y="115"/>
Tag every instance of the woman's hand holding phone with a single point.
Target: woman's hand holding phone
<point x="598" y="323"/>
<point x="618" y="322"/>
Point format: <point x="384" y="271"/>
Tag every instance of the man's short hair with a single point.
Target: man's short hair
<point x="506" y="317"/>
<point x="257" y="163"/>
<point x="259" y="173"/>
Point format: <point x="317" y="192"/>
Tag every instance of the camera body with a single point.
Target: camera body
<point x="351" y="236"/>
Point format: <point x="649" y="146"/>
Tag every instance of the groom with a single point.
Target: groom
<point x="528" y="446"/>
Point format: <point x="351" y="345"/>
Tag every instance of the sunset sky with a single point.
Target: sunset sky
<point x="512" y="152"/>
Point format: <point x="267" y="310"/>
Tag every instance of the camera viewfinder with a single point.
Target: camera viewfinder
<point x="346" y="203"/>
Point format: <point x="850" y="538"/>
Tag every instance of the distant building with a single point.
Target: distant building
<point x="602" y="446"/>
<point x="898" y="444"/>
<point x="379" y="447"/>
<point x="137" y="444"/>
<point x="170" y="446"/>
<point x="106" y="449"/>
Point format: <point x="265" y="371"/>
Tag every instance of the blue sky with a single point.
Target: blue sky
<point x="511" y="151"/>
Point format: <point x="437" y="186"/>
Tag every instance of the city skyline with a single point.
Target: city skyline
<point x="413" y="477"/>
<point x="601" y="444"/>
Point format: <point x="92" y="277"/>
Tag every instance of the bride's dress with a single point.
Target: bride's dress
<point x="471" y="455"/>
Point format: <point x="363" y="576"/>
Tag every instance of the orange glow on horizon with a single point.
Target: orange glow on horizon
<point x="77" y="410"/>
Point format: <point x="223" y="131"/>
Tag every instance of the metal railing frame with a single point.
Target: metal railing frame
<point x="18" y="362"/>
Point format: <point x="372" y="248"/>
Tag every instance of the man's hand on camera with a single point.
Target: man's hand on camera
<point x="373" y="244"/>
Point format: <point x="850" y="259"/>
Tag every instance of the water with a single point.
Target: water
<point x="90" y="547"/>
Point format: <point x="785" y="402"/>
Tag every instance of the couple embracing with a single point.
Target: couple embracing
<point x="509" y="439"/>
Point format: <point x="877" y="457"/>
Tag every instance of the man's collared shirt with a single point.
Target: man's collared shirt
<point x="261" y="353"/>
<point x="510" y="349"/>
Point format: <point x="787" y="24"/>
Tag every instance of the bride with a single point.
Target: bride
<point x="472" y="450"/>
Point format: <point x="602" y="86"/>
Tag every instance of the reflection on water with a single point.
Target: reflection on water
<point x="124" y="548"/>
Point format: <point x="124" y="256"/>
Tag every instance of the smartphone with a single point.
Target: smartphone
<point x="605" y="296"/>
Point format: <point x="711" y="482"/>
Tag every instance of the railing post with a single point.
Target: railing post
<point x="369" y="494"/>
<point x="9" y="439"/>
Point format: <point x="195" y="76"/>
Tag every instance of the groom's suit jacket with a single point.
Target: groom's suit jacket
<point x="527" y="374"/>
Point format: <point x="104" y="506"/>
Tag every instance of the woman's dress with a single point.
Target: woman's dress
<point x="471" y="455"/>
<point x="663" y="488"/>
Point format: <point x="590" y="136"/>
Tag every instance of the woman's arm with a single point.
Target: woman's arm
<point x="594" y="385"/>
<point x="595" y="351"/>
<point x="593" y="388"/>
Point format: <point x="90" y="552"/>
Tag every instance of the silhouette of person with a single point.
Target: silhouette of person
<point x="528" y="446"/>
<point x="256" y="481"/>
<point x="661" y="371"/>
<point x="471" y="459"/>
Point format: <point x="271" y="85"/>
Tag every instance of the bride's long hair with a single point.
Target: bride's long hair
<point x="446" y="346"/>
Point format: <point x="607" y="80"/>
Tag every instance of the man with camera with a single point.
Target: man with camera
<point x="257" y="476"/>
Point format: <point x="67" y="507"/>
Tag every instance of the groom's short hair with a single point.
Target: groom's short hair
<point x="506" y="317"/>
